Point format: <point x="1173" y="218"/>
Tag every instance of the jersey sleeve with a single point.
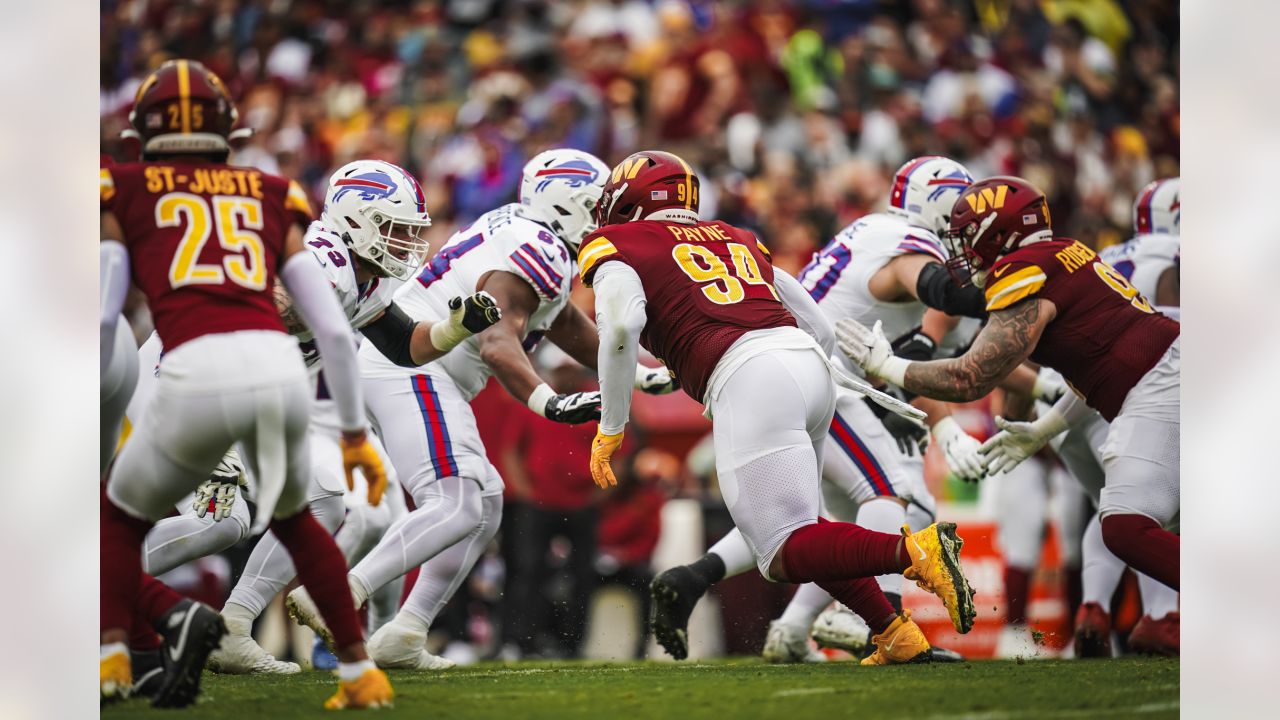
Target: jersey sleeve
<point x="922" y="244"/>
<point x="595" y="252"/>
<point x="296" y="204"/>
<point x="1012" y="281"/>
<point x="546" y="275"/>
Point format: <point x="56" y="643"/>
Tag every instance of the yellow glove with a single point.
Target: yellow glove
<point x="358" y="452"/>
<point x="602" y="450"/>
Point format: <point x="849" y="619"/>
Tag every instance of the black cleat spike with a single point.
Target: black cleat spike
<point x="191" y="631"/>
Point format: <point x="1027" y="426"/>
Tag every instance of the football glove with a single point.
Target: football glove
<point x="655" y="380"/>
<point x="602" y="449"/>
<point x="914" y="345"/>
<point x="218" y="493"/>
<point x="358" y="452"/>
<point x="960" y="450"/>
<point x="868" y="347"/>
<point x="573" y="408"/>
<point x="466" y="318"/>
<point x="1018" y="441"/>
<point x="911" y="437"/>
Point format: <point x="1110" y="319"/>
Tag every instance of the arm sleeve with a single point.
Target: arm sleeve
<point x="333" y="337"/>
<point x="936" y="289"/>
<point x="113" y="277"/>
<point x="620" y="317"/>
<point x="392" y="334"/>
<point x="802" y="306"/>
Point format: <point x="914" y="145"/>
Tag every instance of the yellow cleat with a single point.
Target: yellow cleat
<point x="935" y="566"/>
<point x="901" y="642"/>
<point x="371" y="690"/>
<point x="115" y="677"/>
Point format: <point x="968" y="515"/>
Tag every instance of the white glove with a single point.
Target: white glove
<point x="654" y="380"/>
<point x="1049" y="386"/>
<point x="1018" y="441"/>
<point x="960" y="450"/>
<point x="219" y="491"/>
<point x="871" y="350"/>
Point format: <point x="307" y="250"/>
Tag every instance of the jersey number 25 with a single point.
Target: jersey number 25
<point x="723" y="287"/>
<point x="234" y="218"/>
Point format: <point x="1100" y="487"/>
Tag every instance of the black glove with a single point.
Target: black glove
<point x="481" y="311"/>
<point x="914" y="345"/>
<point x="909" y="436"/>
<point x="574" y="408"/>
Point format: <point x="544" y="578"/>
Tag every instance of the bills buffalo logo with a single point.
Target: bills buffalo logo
<point x="577" y="173"/>
<point x="373" y="185"/>
<point x="957" y="179"/>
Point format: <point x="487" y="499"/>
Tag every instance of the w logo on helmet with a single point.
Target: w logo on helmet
<point x="373" y="185"/>
<point x="577" y="173"/>
<point x="987" y="197"/>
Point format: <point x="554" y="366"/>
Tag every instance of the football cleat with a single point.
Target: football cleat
<point x="322" y="658"/>
<point x="396" y="646"/>
<point x="901" y="642"/>
<point x="371" y="690"/>
<point x="1093" y="631"/>
<point x="115" y="677"/>
<point x="841" y="628"/>
<point x="789" y="644"/>
<point x="241" y="655"/>
<point x="675" y="592"/>
<point x="935" y="566"/>
<point x="191" y="631"/>
<point x="148" y="671"/>
<point x="303" y="610"/>
<point x="1157" y="637"/>
<point x="944" y="655"/>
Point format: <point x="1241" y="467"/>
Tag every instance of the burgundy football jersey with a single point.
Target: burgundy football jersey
<point x="1105" y="336"/>
<point x="706" y="285"/>
<point x="205" y="240"/>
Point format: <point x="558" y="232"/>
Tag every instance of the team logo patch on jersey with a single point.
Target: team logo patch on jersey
<point x="370" y="186"/>
<point x="578" y="173"/>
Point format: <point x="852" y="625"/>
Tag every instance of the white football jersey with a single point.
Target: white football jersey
<point x="361" y="304"/>
<point x="839" y="277"/>
<point x="1143" y="259"/>
<point x="507" y="239"/>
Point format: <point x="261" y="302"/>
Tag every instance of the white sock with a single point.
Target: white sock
<point x="1101" y="570"/>
<point x="106" y="651"/>
<point x="805" y="606"/>
<point x="887" y="516"/>
<point x="350" y="672"/>
<point x="239" y="619"/>
<point x="734" y="552"/>
<point x="359" y="593"/>
<point x="1158" y="599"/>
<point x="411" y="621"/>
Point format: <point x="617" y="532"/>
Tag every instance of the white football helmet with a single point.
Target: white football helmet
<point x="563" y="186"/>
<point x="925" y="190"/>
<point x="379" y="210"/>
<point x="1157" y="209"/>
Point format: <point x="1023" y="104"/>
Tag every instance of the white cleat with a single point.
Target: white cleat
<point x="241" y="655"/>
<point x="395" y="646"/>
<point x="789" y="644"/>
<point x="841" y="628"/>
<point x="303" y="610"/>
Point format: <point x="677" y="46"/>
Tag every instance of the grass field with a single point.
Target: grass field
<point x="727" y="690"/>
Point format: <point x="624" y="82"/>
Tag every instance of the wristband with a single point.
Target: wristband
<point x="1051" y="424"/>
<point x="445" y="335"/>
<point x="537" y="401"/>
<point x="894" y="370"/>
<point x="946" y="429"/>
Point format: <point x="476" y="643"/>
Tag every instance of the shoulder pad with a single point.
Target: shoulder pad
<point x="1011" y="281"/>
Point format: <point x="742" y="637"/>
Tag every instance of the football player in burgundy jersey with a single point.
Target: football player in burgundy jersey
<point x="1053" y="301"/>
<point x="704" y="297"/>
<point x="205" y="242"/>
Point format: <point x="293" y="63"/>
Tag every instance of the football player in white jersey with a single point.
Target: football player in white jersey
<point x="523" y="254"/>
<point x="367" y="243"/>
<point x="1150" y="260"/>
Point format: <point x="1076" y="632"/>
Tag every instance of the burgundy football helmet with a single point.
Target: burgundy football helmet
<point x="183" y="108"/>
<point x="649" y="185"/>
<point x="991" y="218"/>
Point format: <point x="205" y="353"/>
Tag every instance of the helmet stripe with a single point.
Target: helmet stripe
<point x="1144" y="206"/>
<point x="688" y="182"/>
<point x="184" y="94"/>
<point x="898" y="198"/>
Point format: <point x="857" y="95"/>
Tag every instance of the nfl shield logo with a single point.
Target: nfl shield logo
<point x="657" y="194"/>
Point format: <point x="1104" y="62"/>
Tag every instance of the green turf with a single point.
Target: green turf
<point x="726" y="690"/>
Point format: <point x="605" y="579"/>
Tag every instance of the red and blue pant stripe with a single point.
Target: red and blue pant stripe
<point x="861" y="456"/>
<point x="438" y="444"/>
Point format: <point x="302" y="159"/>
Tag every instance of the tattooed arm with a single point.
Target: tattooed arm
<point x="1005" y="341"/>
<point x="293" y="322"/>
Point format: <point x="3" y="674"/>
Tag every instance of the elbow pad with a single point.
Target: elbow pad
<point x="936" y="289"/>
<point x="392" y="334"/>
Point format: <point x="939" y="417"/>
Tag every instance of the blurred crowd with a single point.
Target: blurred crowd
<point x="794" y="112"/>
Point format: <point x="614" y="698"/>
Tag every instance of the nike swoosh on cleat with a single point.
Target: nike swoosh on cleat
<point x="176" y="650"/>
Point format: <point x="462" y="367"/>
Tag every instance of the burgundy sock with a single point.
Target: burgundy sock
<point x="154" y="600"/>
<point x="119" y="565"/>
<point x="1144" y="545"/>
<point x="323" y="571"/>
<point x="840" y="551"/>
<point x="864" y="597"/>
<point x="1017" y="586"/>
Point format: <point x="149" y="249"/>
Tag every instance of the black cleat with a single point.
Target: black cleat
<point x="944" y="655"/>
<point x="675" y="592"/>
<point x="148" y="671"/>
<point x="191" y="631"/>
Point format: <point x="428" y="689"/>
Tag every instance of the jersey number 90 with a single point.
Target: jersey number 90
<point x="234" y="219"/>
<point x="723" y="287"/>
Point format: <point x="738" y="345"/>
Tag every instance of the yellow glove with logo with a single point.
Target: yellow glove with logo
<point x="358" y="452"/>
<point x="602" y="450"/>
